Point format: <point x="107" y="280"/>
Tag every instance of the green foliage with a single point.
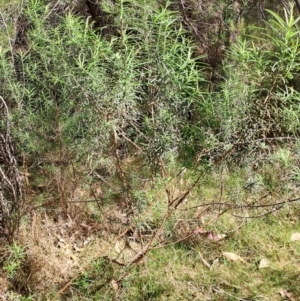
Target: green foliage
<point x="17" y="297"/>
<point x="94" y="283"/>
<point x="82" y="101"/>
<point x="260" y="97"/>
<point x="14" y="261"/>
<point x="81" y="91"/>
<point x="139" y="287"/>
<point x="90" y="96"/>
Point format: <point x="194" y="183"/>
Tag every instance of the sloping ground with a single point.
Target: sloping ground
<point x="200" y="251"/>
<point x="208" y="233"/>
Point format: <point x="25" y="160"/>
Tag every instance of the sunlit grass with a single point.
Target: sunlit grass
<point x="177" y="272"/>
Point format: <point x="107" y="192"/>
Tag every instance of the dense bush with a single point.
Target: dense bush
<point x="95" y="95"/>
<point x="259" y="98"/>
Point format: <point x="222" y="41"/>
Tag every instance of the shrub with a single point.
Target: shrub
<point x="260" y="94"/>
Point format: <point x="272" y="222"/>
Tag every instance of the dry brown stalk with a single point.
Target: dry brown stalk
<point x="11" y="181"/>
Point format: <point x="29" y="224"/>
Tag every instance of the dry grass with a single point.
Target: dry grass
<point x="92" y="250"/>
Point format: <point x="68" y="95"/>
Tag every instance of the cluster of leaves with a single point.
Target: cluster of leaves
<point x="275" y="88"/>
<point x="77" y="90"/>
<point x="142" y="90"/>
<point x="259" y="96"/>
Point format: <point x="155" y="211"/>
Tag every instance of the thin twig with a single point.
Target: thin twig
<point x="9" y="42"/>
<point x="231" y="206"/>
<point x="218" y="290"/>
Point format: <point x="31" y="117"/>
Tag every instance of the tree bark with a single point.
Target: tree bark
<point x="101" y="18"/>
<point x="298" y="5"/>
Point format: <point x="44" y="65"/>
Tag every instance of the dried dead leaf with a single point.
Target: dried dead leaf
<point x="215" y="264"/>
<point x="200" y="231"/>
<point x="204" y="261"/>
<point x="215" y="237"/>
<point x="88" y="240"/>
<point x="233" y="257"/>
<point x="264" y="263"/>
<point x="115" y="285"/>
<point x="286" y="294"/>
<point x="210" y="235"/>
<point x="119" y="247"/>
<point x="295" y="237"/>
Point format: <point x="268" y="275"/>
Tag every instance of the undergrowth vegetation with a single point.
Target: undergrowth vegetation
<point x="149" y="150"/>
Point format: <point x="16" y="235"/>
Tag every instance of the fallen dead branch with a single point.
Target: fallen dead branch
<point x="11" y="182"/>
